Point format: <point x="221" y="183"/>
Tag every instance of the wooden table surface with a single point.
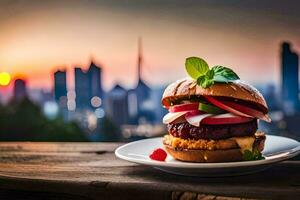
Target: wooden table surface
<point x="91" y="171"/>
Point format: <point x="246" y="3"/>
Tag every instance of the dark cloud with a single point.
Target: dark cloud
<point x="255" y="14"/>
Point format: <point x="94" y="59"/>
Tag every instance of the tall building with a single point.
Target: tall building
<point x="142" y="90"/>
<point x="290" y="79"/>
<point x="117" y="105"/>
<point x="271" y="97"/>
<point x="60" y="96"/>
<point x="95" y="82"/>
<point x="81" y="89"/>
<point x="60" y="85"/>
<point x="88" y="87"/>
<point x="20" y="89"/>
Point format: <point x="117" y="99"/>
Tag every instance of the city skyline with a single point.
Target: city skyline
<point x="131" y="112"/>
<point x="69" y="70"/>
<point x="121" y="105"/>
<point x="108" y="32"/>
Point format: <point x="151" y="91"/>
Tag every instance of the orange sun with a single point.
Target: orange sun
<point x="5" y="78"/>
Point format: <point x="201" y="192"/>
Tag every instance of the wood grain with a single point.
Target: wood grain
<point x="91" y="171"/>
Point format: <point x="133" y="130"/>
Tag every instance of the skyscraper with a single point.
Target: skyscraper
<point x="290" y="79"/>
<point x="20" y="90"/>
<point x="95" y="82"/>
<point x="142" y="90"/>
<point x="60" y="95"/>
<point x="60" y="85"/>
<point x="117" y="105"/>
<point x="88" y="87"/>
<point x="81" y="89"/>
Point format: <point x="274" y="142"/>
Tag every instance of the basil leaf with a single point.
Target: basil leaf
<point x="252" y="155"/>
<point x="199" y="70"/>
<point x="219" y="78"/>
<point x="196" y="67"/>
<point x="201" y="80"/>
<point x="247" y="155"/>
<point x="210" y="74"/>
<point x="224" y="74"/>
<point x="257" y="155"/>
<point x="206" y="80"/>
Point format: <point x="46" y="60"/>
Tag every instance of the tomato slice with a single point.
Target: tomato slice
<point x="226" y="107"/>
<point x="194" y="113"/>
<point x="184" y="107"/>
<point x="227" y="118"/>
<point x="248" y="111"/>
<point x="238" y="109"/>
<point x="195" y="119"/>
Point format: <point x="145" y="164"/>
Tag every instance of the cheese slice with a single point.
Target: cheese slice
<point x="245" y="143"/>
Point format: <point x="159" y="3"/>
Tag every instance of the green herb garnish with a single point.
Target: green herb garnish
<point x="199" y="70"/>
<point x="252" y="155"/>
<point x="224" y="74"/>
<point x="196" y="67"/>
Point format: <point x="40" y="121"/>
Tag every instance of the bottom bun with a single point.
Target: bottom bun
<point x="228" y="155"/>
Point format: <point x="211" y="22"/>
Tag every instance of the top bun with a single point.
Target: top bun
<point x="236" y="90"/>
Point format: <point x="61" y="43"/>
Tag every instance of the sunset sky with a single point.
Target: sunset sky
<point x="38" y="37"/>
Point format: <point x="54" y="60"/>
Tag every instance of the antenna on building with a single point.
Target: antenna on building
<point x="140" y="58"/>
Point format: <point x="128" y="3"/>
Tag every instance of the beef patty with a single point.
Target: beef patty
<point x="216" y="132"/>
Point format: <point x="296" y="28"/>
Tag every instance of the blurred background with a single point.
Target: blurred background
<point x="95" y="70"/>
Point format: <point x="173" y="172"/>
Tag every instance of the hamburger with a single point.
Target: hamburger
<point x="213" y="116"/>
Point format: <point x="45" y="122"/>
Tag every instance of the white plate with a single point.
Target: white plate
<point x="276" y="149"/>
